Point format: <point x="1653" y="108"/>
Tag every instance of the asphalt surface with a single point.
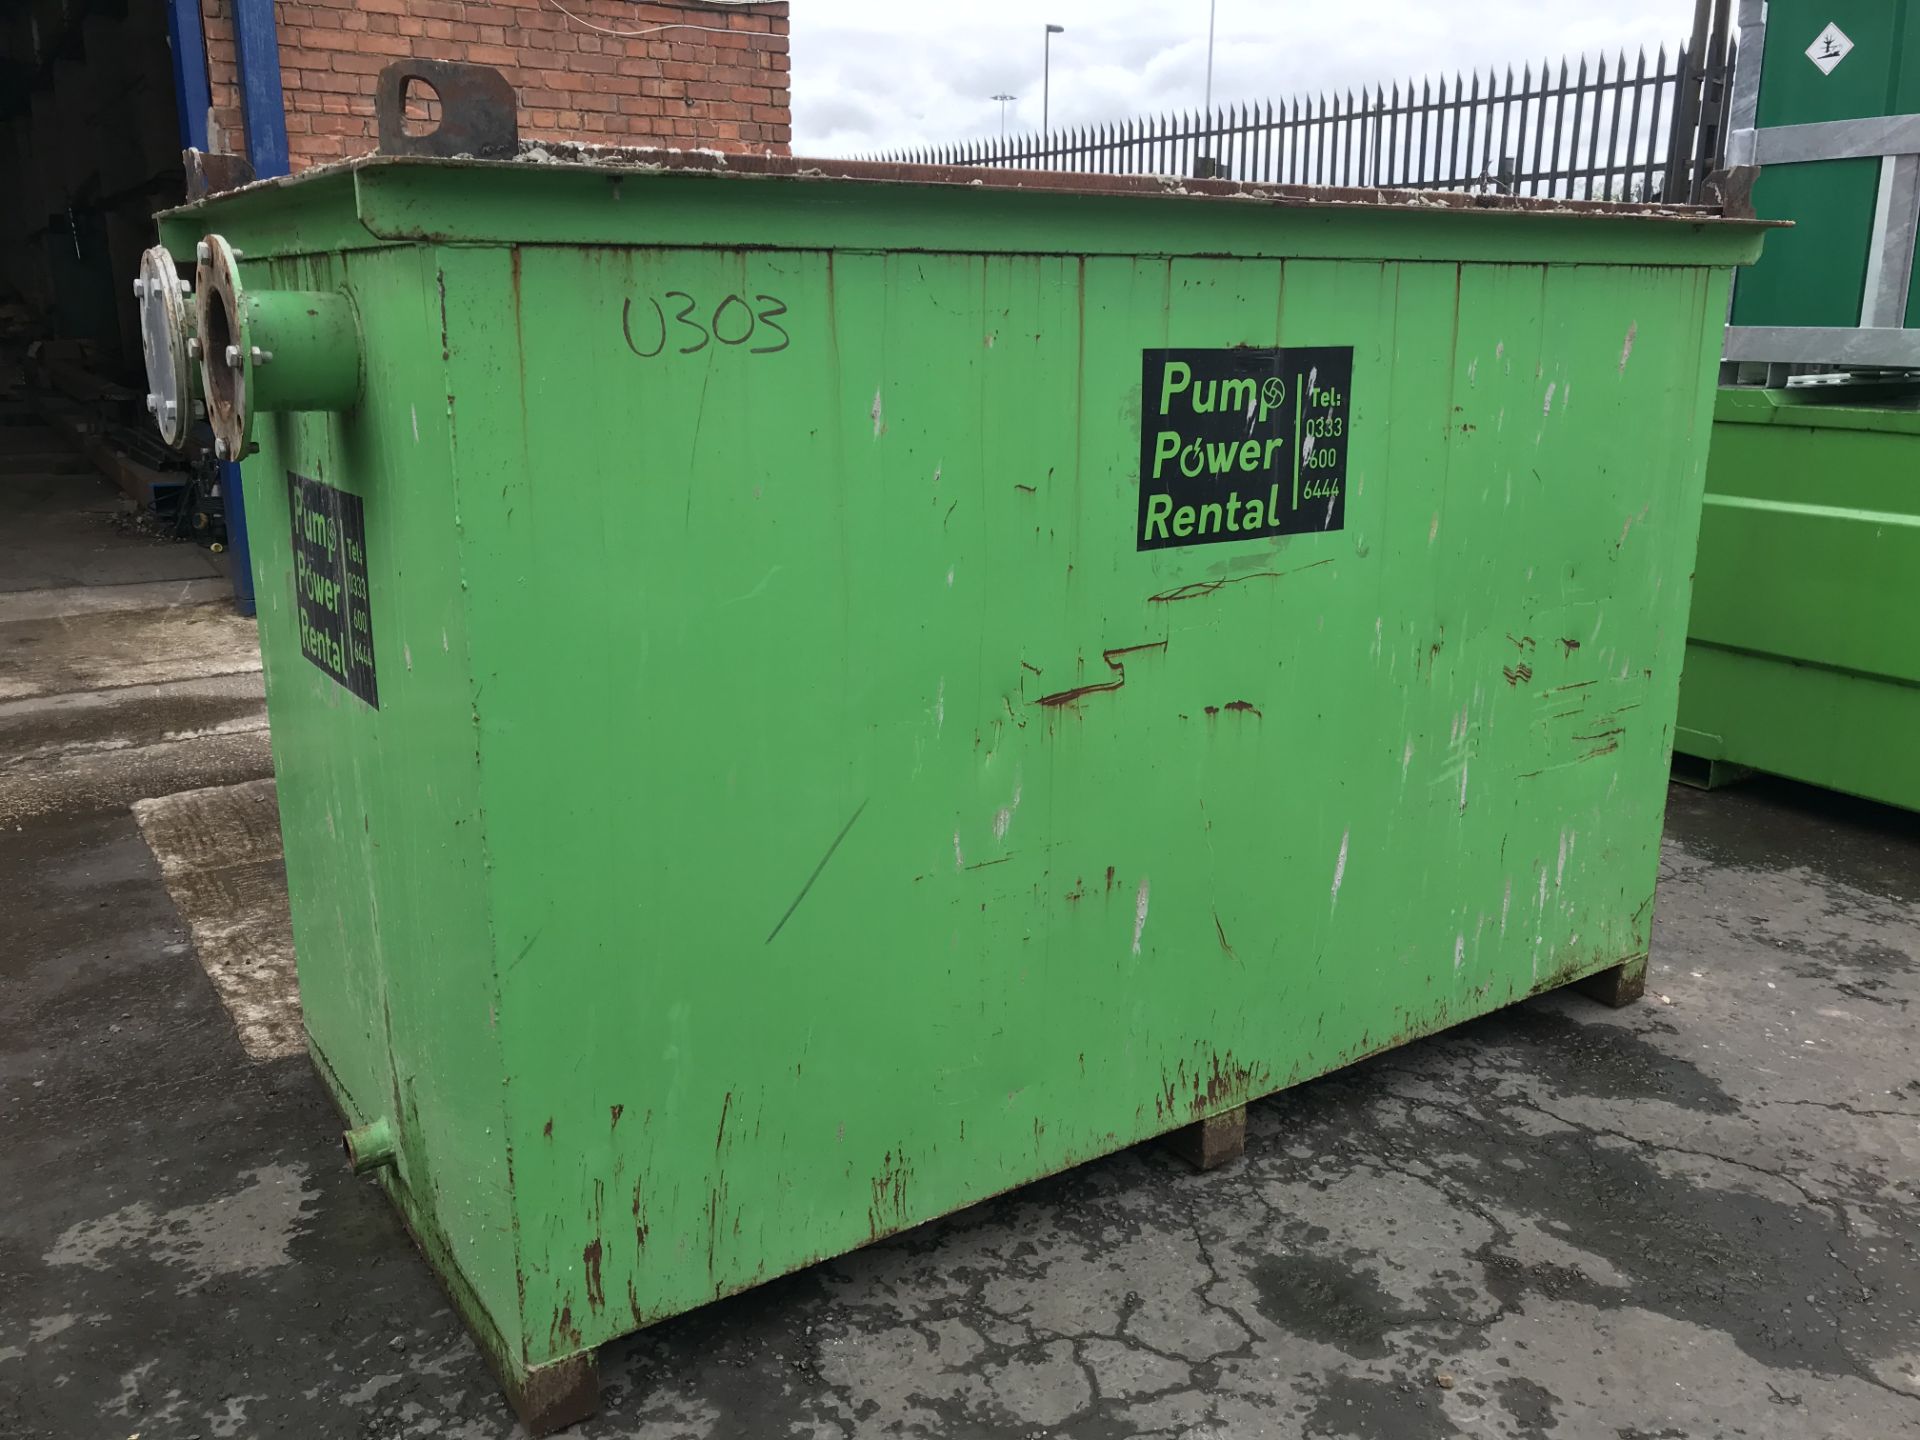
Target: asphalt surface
<point x="1695" y="1218"/>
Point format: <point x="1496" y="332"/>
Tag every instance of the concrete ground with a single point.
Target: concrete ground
<point x="1695" y="1218"/>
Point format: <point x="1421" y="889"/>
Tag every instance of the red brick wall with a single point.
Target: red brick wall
<point x="681" y="87"/>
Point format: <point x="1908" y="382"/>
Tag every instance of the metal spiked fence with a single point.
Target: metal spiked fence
<point x="1625" y="131"/>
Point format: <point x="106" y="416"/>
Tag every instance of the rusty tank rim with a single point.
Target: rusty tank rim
<point x="617" y="161"/>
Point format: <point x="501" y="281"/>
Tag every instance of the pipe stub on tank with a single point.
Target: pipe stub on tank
<point x="264" y="350"/>
<point x="370" y="1146"/>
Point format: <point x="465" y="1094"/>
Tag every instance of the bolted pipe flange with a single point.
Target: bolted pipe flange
<point x="310" y="338"/>
<point x="167" y="343"/>
<point x="226" y="376"/>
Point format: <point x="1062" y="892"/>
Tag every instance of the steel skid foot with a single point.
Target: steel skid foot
<point x="1618" y="986"/>
<point x="1698" y="773"/>
<point x="1210" y="1143"/>
<point x="551" y="1397"/>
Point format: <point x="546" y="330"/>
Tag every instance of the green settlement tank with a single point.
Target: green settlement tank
<point x="1797" y="662"/>
<point x="807" y="695"/>
<point x="1800" y="661"/>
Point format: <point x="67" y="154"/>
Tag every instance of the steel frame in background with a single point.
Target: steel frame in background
<point x="192" y="95"/>
<point x="1880" y="339"/>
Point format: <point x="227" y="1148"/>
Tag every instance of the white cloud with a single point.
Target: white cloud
<point x="870" y="76"/>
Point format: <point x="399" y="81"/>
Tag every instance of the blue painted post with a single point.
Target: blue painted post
<point x="191" y="95"/>
<point x="263" y="108"/>
<point x="192" y="98"/>
<point x="239" y="552"/>
<point x="263" y="113"/>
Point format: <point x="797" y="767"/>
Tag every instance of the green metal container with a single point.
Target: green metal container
<point x="1825" y="63"/>
<point x="1811" y="531"/>
<point x="806" y="696"/>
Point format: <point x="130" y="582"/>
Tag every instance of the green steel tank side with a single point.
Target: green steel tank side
<point x="792" y="792"/>
<point x="1810" y="536"/>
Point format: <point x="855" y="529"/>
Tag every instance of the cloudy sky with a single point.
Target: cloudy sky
<point x="875" y="74"/>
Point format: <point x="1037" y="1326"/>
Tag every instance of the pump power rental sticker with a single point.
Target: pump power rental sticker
<point x="1242" y="444"/>
<point x="330" y="592"/>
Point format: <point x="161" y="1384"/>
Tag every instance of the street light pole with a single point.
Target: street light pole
<point x="1212" y="7"/>
<point x="1046" y="80"/>
<point x="1003" y="99"/>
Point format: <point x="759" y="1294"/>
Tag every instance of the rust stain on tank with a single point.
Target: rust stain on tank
<point x="1197" y="589"/>
<point x="1166" y="1104"/>
<point x="590" y="1259"/>
<point x="1221" y="931"/>
<point x="888" y="1211"/>
<point x="1113" y="660"/>
<point x="519" y="330"/>
<point x="563" y="1333"/>
<point x="1227" y="1083"/>
<point x="1222" y="1085"/>
<point x="716" y="1202"/>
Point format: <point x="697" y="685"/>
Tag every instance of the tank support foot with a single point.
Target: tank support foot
<point x="1617" y="986"/>
<point x="1210" y="1143"/>
<point x="1697" y="772"/>
<point x="551" y="1397"/>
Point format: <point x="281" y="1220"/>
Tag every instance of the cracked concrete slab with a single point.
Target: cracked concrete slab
<point x="96" y="649"/>
<point x="1676" y="1220"/>
<point x="219" y="849"/>
<point x="101" y="706"/>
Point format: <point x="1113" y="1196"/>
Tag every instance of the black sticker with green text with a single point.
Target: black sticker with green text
<point x="330" y="583"/>
<point x="1242" y="444"/>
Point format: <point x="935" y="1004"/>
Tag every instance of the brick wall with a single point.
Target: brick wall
<point x="725" y="91"/>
